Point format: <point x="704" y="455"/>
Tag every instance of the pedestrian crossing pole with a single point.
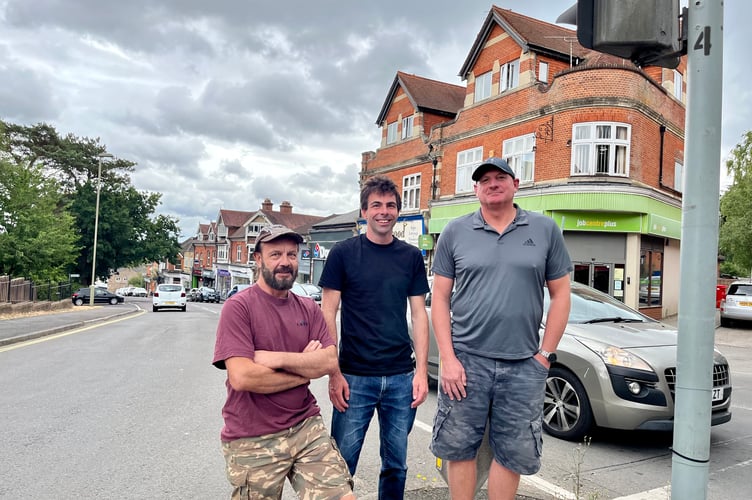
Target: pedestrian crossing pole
<point x="699" y="251"/>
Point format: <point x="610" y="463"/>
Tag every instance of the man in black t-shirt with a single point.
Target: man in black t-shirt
<point x="375" y="276"/>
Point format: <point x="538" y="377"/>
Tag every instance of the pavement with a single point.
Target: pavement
<point x="28" y="327"/>
<point x="32" y="326"/>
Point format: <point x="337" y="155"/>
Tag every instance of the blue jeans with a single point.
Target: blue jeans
<point x="391" y="397"/>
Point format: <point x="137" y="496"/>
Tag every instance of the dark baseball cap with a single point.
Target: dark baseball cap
<point x="491" y="163"/>
<point x="271" y="233"/>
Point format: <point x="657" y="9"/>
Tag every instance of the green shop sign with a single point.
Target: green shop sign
<point x="589" y="221"/>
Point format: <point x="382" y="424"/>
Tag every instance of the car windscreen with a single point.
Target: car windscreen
<point x="169" y="288"/>
<point x="591" y="306"/>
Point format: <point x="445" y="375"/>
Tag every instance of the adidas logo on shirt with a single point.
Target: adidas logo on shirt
<point x="529" y="243"/>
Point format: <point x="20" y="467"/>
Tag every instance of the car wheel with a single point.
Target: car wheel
<point x="183" y="308"/>
<point x="154" y="309"/>
<point x="79" y="302"/>
<point x="114" y="301"/>
<point x="566" y="408"/>
<point x="725" y="322"/>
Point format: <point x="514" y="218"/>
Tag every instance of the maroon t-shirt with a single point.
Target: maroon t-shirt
<point x="253" y="319"/>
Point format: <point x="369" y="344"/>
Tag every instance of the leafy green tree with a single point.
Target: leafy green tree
<point x="37" y="235"/>
<point x="129" y="232"/>
<point x="735" y="233"/>
<point x="137" y="281"/>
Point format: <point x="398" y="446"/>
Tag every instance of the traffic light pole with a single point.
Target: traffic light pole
<point x="699" y="251"/>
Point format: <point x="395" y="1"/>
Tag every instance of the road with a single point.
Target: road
<point x="131" y="409"/>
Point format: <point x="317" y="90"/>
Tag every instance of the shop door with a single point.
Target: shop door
<point x="594" y="274"/>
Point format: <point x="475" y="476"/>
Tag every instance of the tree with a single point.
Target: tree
<point x="129" y="232"/>
<point x="37" y="237"/>
<point x="735" y="236"/>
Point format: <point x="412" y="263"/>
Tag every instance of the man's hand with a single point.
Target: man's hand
<point x="420" y="389"/>
<point x="339" y="391"/>
<point x="453" y="378"/>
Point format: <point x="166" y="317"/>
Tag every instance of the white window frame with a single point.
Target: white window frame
<point x="510" y="75"/>
<point x="467" y="160"/>
<point x="520" y="154"/>
<point x="678" y="176"/>
<point x="678" y="85"/>
<point x="411" y="192"/>
<point x="391" y="133"/>
<point x="221" y="252"/>
<point x="407" y="127"/>
<point x="239" y="254"/>
<point x="601" y="148"/>
<point x="543" y="71"/>
<point x="483" y="86"/>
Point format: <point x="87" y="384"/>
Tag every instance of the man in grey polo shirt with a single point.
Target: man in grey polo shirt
<point x="493" y="363"/>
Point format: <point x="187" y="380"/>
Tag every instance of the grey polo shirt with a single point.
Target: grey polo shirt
<point x="497" y="306"/>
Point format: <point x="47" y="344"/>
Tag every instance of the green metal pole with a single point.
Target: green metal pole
<point x="699" y="251"/>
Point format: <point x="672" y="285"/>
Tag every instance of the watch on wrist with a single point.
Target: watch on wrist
<point x="550" y="356"/>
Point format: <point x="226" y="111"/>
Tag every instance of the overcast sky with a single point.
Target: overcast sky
<point x="224" y="103"/>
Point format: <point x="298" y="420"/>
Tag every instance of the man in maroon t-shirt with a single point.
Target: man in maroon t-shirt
<point x="272" y="343"/>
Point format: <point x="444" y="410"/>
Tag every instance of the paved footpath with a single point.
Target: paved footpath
<point x="30" y="327"/>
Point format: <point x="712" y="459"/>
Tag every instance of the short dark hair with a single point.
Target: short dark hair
<point x="381" y="185"/>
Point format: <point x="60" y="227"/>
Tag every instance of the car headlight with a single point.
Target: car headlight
<point x="616" y="356"/>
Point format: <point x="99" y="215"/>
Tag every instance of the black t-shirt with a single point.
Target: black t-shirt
<point x="375" y="282"/>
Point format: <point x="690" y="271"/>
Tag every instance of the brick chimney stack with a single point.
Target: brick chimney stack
<point x="267" y="205"/>
<point x="285" y="207"/>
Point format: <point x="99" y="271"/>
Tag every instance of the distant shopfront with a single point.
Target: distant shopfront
<point x="630" y="255"/>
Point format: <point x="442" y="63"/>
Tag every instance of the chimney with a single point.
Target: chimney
<point x="285" y="207"/>
<point x="267" y="205"/>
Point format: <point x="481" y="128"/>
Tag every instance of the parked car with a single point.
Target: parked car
<point x="206" y="294"/>
<point x="139" y="292"/>
<point x="615" y="368"/>
<point x="192" y="295"/>
<point x="314" y="291"/>
<point x="299" y="289"/>
<point x="737" y="305"/>
<point x="168" y="296"/>
<point x="101" y="296"/>
<point x="237" y="288"/>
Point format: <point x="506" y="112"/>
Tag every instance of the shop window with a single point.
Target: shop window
<point x="651" y="273"/>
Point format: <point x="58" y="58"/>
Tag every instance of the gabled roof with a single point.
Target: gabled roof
<point x="234" y="218"/>
<point x="300" y="223"/>
<point x="338" y="220"/>
<point x="430" y="96"/>
<point x="530" y="34"/>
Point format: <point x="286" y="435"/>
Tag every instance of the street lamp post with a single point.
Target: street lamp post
<point x="96" y="228"/>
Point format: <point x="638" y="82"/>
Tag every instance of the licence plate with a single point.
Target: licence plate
<point x="745" y="304"/>
<point x="170" y="302"/>
<point x="717" y="394"/>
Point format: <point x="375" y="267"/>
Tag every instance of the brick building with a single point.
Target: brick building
<point x="223" y="249"/>
<point x="596" y="142"/>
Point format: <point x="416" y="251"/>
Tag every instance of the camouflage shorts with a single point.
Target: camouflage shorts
<point x="305" y="454"/>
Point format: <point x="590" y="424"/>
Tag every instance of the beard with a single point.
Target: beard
<point x="279" y="284"/>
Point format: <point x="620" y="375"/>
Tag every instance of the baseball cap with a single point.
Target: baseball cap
<point x="271" y="233"/>
<point x="490" y="163"/>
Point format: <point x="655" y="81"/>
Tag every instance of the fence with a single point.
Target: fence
<point x="15" y="290"/>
